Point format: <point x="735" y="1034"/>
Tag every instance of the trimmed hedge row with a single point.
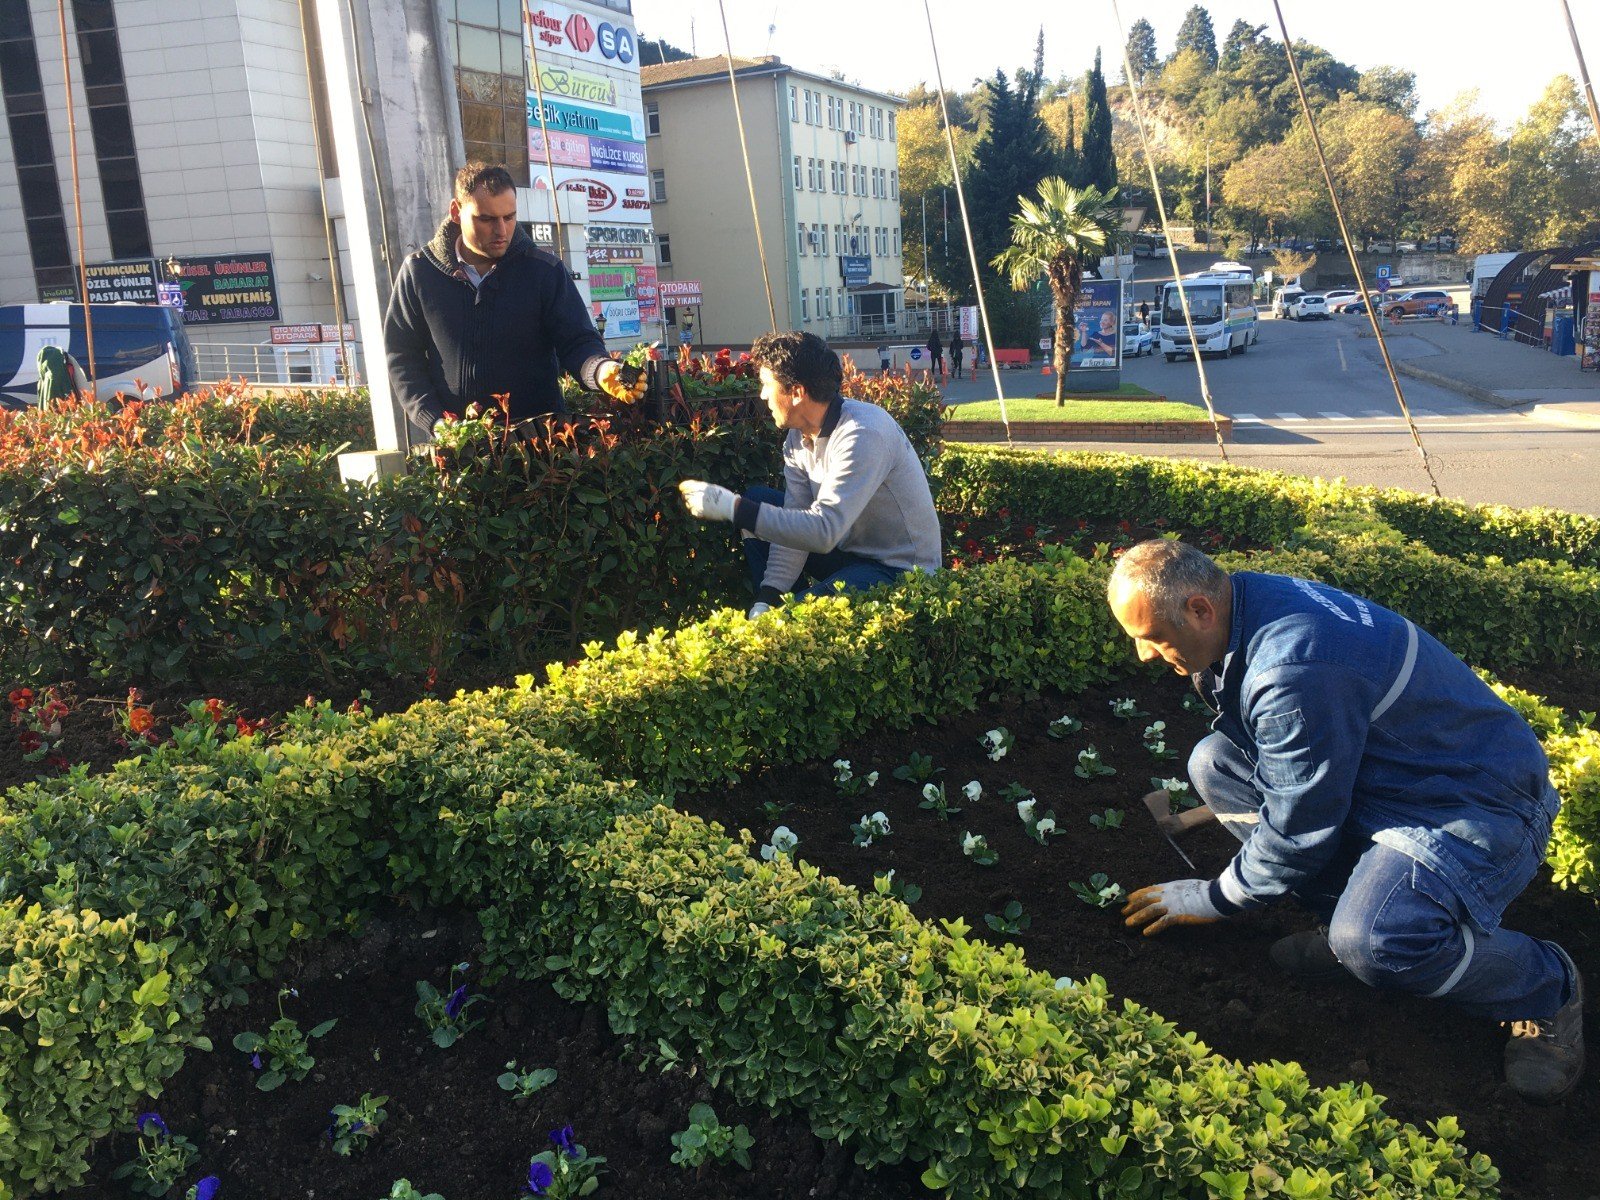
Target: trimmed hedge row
<point x="897" y="1036"/>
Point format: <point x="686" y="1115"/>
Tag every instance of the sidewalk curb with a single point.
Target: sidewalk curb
<point x="1557" y="415"/>
<point x="1471" y="390"/>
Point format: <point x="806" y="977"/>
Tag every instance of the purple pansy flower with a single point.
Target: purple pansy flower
<point x="458" y="999"/>
<point x="207" y="1188"/>
<point x="255" y="1061"/>
<point x="540" y="1177"/>
<point x="562" y="1140"/>
<point x="152" y="1118"/>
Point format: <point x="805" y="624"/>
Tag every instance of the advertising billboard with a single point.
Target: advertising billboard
<point x="561" y="31"/>
<point x="595" y="195"/>
<point x="648" y="293"/>
<point x="129" y="282"/>
<point x="566" y="116"/>
<point x="1098" y="318"/>
<point x="564" y="82"/>
<point x="622" y="317"/>
<point x="613" y="283"/>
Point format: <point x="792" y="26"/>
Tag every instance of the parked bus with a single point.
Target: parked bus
<point x="134" y="344"/>
<point x="1221" y="306"/>
<point x="1148" y="245"/>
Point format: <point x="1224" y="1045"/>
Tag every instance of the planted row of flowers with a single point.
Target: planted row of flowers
<point x="902" y="1037"/>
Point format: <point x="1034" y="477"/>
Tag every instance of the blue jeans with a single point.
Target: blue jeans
<point x="825" y="572"/>
<point x="1392" y="922"/>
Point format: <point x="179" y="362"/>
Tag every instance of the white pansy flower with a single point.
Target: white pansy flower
<point x="1045" y="826"/>
<point x="970" y="842"/>
<point x="784" y="840"/>
<point x="932" y="793"/>
<point x="1025" y="809"/>
<point x="973" y="791"/>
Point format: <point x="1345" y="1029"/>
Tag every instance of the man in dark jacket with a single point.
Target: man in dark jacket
<point x="480" y="311"/>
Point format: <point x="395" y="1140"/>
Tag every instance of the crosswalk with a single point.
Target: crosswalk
<point x="1371" y="414"/>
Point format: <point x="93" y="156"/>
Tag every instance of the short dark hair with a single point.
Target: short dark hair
<point x="1169" y="572"/>
<point x="494" y="179"/>
<point x="800" y="358"/>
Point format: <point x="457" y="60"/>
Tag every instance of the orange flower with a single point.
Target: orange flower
<point x="141" y="720"/>
<point x="214" y="710"/>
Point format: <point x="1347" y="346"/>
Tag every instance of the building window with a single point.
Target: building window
<point x="805" y="304"/>
<point x="491" y="82"/>
<point x="838" y="239"/>
<point x="658" y="187"/>
<point x="652" y="119"/>
<point x="800" y="239"/>
<point x="895" y="243"/>
<point x="794" y="104"/>
<point x="664" y="249"/>
<point x="892" y="135"/>
<point x="44" y="218"/>
<point x="819" y="238"/>
<point x="894" y="185"/>
<point x="797" y="174"/>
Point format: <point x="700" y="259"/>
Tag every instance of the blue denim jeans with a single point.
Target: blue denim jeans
<point x="824" y="572"/>
<point x="1392" y="922"/>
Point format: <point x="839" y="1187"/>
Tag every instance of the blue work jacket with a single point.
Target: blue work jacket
<point x="1360" y="723"/>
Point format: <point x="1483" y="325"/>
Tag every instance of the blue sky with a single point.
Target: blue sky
<point x="1452" y="45"/>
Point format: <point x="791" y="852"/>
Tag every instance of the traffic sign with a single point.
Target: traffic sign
<point x="686" y="336"/>
<point x="916" y="354"/>
<point x="1383" y="272"/>
<point x="1383" y="283"/>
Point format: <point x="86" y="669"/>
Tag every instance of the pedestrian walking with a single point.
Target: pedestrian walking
<point x="936" y="353"/>
<point x="958" y="349"/>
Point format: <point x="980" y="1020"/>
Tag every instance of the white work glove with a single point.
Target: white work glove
<point x="707" y="501"/>
<point x="1162" y="905"/>
<point x="759" y="607"/>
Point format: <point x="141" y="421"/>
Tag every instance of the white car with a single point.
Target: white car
<point x="1311" y="307"/>
<point x="1283" y="300"/>
<point x="1137" y="340"/>
<point x="1339" y="297"/>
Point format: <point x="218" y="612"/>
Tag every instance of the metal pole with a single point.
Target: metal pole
<point x="1208" y="197"/>
<point x="335" y="268"/>
<point x="544" y="132"/>
<point x="927" y="288"/>
<point x="77" y="198"/>
<point x="749" y="175"/>
<point x="1583" y="68"/>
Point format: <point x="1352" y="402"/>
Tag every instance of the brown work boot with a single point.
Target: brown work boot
<point x="1308" y="956"/>
<point x="1544" y="1059"/>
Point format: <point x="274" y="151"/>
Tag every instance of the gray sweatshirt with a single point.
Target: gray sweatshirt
<point x="857" y="487"/>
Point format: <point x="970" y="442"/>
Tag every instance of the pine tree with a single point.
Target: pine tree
<point x="1071" y="160"/>
<point x="1142" y="49"/>
<point x="1098" y="166"/>
<point x="1038" y="60"/>
<point x="1197" y="34"/>
<point x="1242" y="38"/>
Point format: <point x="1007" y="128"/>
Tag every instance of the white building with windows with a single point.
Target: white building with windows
<point x="825" y="159"/>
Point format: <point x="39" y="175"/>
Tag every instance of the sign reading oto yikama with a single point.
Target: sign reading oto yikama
<point x="220" y="288"/>
<point x="132" y="282"/>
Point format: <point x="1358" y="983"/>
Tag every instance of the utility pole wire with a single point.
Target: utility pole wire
<point x="749" y="176"/>
<point x="77" y="199"/>
<point x="1583" y="69"/>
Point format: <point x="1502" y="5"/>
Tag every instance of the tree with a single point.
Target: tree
<point x="1465" y="178"/>
<point x="1012" y="155"/>
<point x="925" y="175"/>
<point x="1098" y="167"/>
<point x="1244" y="38"/>
<point x="1556" y="169"/>
<point x="1142" y="49"/>
<point x="654" y="50"/>
<point x="1053" y="238"/>
<point x="1197" y="34"/>
<point x="1392" y="87"/>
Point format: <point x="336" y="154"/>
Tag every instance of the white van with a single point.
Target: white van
<point x="1284" y="299"/>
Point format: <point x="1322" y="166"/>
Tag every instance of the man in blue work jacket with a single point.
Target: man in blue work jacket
<point x="1371" y="775"/>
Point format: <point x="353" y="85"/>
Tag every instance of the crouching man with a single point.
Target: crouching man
<point x="855" y="511"/>
<point x="1371" y="775"/>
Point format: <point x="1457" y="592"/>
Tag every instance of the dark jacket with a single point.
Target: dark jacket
<point x="451" y="345"/>
<point x="935" y="346"/>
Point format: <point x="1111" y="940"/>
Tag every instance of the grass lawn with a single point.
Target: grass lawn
<point x="1102" y="406"/>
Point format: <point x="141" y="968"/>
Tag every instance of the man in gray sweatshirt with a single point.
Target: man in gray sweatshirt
<point x="855" y="511"/>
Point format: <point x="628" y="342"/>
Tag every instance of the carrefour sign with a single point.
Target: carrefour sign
<point x="554" y="29"/>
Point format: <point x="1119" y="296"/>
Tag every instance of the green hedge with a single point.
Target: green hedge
<point x="897" y="1036"/>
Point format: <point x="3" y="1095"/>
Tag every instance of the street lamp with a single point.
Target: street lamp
<point x="600" y="324"/>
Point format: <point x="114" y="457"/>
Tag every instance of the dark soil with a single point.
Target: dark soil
<point x="449" y="1127"/>
<point x="1218" y="981"/>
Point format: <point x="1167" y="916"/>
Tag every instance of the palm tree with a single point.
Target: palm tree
<point x="1054" y="237"/>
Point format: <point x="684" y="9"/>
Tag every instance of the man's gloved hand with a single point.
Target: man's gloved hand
<point x="759" y="607"/>
<point x="707" y="501"/>
<point x="620" y="381"/>
<point x="1163" y="905"/>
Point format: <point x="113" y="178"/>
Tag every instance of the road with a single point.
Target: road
<point x="1313" y="398"/>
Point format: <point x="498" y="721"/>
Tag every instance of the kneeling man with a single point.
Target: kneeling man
<point x="1371" y="775"/>
<point x="855" y="511"/>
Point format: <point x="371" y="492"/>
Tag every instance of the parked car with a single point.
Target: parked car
<point x="1137" y="340"/>
<point x="1283" y="300"/>
<point x="1311" y="307"/>
<point x="1416" y="303"/>
<point x="1337" y="298"/>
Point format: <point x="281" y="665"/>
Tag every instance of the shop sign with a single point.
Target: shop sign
<point x="648" y="293"/>
<point x="570" y="84"/>
<point x="310" y="334"/>
<point x="608" y="154"/>
<point x="622" y="317"/>
<point x="169" y="294"/>
<point x="562" y="31"/>
<point x="222" y="288"/>
<point x="613" y="283"/>
<point x="615" y="254"/>
<point x="566" y="116"/>
<point x="675" y="292"/>
<point x="598" y="195"/>
<point x="856" y="269"/>
<point x="53" y="292"/>
<point x="542" y="232"/>
<point x="620" y="235"/>
<point x="566" y="149"/>
<point x="132" y="281"/>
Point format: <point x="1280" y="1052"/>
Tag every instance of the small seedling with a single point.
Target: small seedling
<point x="783" y="842"/>
<point x="1098" y="891"/>
<point x="997" y="743"/>
<point x="403" y="1190"/>
<point x="1065" y="726"/>
<point x="933" y="797"/>
<point x="709" y="1140"/>
<point x="1193" y="704"/>
<point x="918" y="769"/>
<point x="875" y="826"/>
<point x="1126" y="709"/>
<point x="773" y="809"/>
<point x="1110" y="819"/>
<point x="523" y="1084"/>
<point x="1039" y="827"/>
<point x="1014" y="793"/>
<point x="1179" y="794"/>
<point x="885" y="884"/>
<point x="355" y="1125"/>
<point x="446" y="1015"/>
<point x="161" y="1158"/>
<point x="1010" y="920"/>
<point x="284" y="1053"/>
<point x="976" y="847"/>
<point x="848" y="782"/>
<point x="1091" y="765"/>
<point x="1155" y="741"/>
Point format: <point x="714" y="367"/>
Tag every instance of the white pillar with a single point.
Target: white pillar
<point x="369" y="274"/>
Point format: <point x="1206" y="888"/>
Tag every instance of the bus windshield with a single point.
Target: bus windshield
<point x="1205" y="305"/>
